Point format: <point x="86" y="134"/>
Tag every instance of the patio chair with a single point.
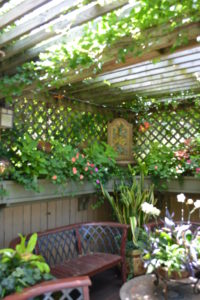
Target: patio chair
<point x="75" y="288"/>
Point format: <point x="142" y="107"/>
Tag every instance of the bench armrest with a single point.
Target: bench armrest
<point x="65" y="285"/>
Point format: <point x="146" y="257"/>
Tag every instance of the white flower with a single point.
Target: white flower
<point x="150" y="209"/>
<point x="190" y="202"/>
<point x="197" y="204"/>
<point x="181" y="198"/>
<point x="155" y="211"/>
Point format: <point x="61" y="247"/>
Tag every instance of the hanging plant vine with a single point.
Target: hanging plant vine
<point x="87" y="50"/>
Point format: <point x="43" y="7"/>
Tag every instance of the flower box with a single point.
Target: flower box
<point x="188" y="184"/>
<point x="16" y="193"/>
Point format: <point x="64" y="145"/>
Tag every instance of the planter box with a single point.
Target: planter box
<point x="48" y="190"/>
<point x="188" y="185"/>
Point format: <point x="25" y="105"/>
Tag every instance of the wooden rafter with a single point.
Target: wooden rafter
<point x="152" y="52"/>
<point x="71" y="20"/>
<point x="2" y="2"/>
<point x="110" y="55"/>
<point x="36" y="21"/>
<point x="173" y="67"/>
<point x="19" y="11"/>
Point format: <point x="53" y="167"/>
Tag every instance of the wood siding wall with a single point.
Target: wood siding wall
<point x="170" y="200"/>
<point x="41" y="215"/>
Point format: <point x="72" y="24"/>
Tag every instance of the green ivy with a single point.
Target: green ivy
<point x="86" y="51"/>
<point x="30" y="162"/>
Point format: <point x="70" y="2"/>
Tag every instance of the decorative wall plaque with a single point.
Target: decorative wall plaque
<point x="120" y="137"/>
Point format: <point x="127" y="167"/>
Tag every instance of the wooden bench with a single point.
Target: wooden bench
<point x="68" y="288"/>
<point x="83" y="249"/>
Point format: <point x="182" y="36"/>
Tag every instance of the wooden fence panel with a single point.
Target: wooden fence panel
<point x="32" y="217"/>
<point x="2" y="231"/>
<point x="26" y="219"/>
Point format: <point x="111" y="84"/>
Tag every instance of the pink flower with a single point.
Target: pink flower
<point x="77" y="155"/>
<point x="88" y="163"/>
<point x="81" y="177"/>
<point x="54" y="177"/>
<point x="197" y="170"/>
<point x="92" y="165"/>
<point x="187" y="142"/>
<point x="97" y="181"/>
<point x="156" y="167"/>
<point x="188" y="161"/>
<point x="86" y="169"/>
<point x="83" y="155"/>
<point x="181" y="154"/>
<point x="96" y="169"/>
<point x="73" y="159"/>
<point x="74" y="170"/>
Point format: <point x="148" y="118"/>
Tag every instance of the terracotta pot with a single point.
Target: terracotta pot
<point x="175" y="275"/>
<point x="135" y="264"/>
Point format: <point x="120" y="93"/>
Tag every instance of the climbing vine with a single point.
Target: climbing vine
<point x="86" y="51"/>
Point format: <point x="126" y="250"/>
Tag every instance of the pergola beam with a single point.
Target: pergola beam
<point x="151" y="52"/>
<point x="113" y="99"/>
<point x="140" y="74"/>
<point x="19" y="11"/>
<point x="140" y="89"/>
<point x="2" y="2"/>
<point x="71" y="20"/>
<point x="36" y="21"/>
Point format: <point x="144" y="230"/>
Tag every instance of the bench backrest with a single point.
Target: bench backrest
<point x="64" y="243"/>
<point x="100" y="238"/>
<point x="58" y="245"/>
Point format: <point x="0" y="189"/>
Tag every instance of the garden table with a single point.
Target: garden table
<point x="143" y="288"/>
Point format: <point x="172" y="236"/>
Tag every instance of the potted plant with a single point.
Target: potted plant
<point x="164" y="163"/>
<point x="21" y="268"/>
<point x="127" y="202"/>
<point x="172" y="249"/>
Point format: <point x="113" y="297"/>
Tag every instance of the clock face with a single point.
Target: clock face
<point x="120" y="138"/>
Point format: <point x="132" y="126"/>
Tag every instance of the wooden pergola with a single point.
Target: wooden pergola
<point x="43" y="23"/>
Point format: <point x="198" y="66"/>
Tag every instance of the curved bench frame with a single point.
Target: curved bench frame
<point x="93" y="246"/>
<point x="65" y="286"/>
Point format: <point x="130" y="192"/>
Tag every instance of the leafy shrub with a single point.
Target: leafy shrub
<point x="165" y="163"/>
<point x="28" y="162"/>
<point x="63" y="162"/>
<point x="127" y="202"/>
<point x="21" y="268"/>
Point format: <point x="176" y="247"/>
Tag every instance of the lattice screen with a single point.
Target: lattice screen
<point x="49" y="121"/>
<point x="52" y="121"/>
<point x="168" y="127"/>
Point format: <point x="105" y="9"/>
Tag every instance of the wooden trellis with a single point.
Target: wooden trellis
<point x="67" y="123"/>
<point x="58" y="120"/>
<point x="167" y="127"/>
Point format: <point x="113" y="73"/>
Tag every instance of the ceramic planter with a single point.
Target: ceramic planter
<point x="175" y="275"/>
<point x="135" y="265"/>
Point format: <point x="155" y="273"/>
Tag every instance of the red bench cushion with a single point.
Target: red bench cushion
<point x="89" y="264"/>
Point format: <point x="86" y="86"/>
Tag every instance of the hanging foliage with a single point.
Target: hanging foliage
<point x="86" y="51"/>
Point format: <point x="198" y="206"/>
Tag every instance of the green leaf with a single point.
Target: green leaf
<point x="32" y="243"/>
